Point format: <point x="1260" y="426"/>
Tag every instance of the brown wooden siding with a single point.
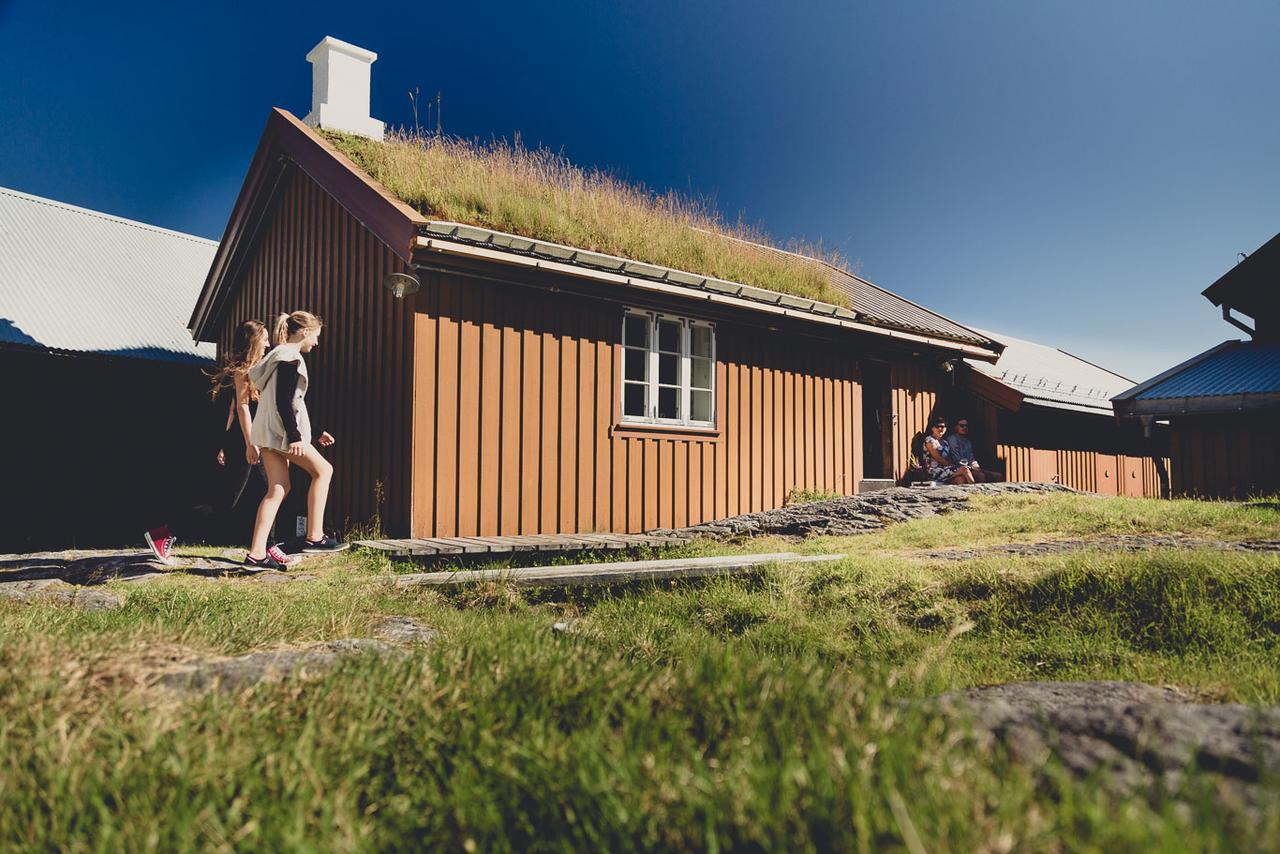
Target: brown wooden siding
<point x="1089" y="471"/>
<point x="316" y="256"/>
<point x="1233" y="456"/>
<point x="1083" y="451"/>
<point x="516" y="410"/>
<point x="914" y="391"/>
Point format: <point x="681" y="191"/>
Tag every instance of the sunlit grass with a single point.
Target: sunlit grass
<point x="772" y="711"/>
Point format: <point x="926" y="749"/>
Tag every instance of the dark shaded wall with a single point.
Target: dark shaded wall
<point x="1226" y="456"/>
<point x="315" y="256"/>
<point x="94" y="449"/>
<point x="1088" y="452"/>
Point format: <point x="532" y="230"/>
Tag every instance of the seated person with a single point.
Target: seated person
<point x="938" y="457"/>
<point x="961" y="448"/>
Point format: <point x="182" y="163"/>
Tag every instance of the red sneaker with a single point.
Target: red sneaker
<point x="160" y="541"/>
<point x="278" y="554"/>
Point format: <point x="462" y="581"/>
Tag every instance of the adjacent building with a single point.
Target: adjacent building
<point x="107" y="423"/>
<point x="1223" y="404"/>
<point x="1043" y="414"/>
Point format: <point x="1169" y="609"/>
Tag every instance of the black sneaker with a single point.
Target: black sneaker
<point x="267" y="562"/>
<point x="328" y="544"/>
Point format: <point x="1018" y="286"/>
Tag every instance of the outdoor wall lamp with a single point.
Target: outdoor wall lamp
<point x="401" y="284"/>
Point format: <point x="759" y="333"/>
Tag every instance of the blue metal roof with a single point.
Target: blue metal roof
<point x="1244" y="369"/>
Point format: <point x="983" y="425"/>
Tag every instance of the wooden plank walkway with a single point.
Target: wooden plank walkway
<point x="607" y="573"/>
<point x="430" y="546"/>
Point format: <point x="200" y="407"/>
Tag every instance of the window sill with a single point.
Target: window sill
<point x="638" y="430"/>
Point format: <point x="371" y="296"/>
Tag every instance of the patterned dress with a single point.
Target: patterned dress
<point x="940" y="473"/>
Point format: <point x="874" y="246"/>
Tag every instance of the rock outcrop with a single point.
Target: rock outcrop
<point x="856" y="514"/>
<point x="1137" y="737"/>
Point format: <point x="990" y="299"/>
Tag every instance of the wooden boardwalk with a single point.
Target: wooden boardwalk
<point x="607" y="573"/>
<point x="431" y="546"/>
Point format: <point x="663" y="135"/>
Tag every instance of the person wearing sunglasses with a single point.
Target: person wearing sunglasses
<point x="961" y="447"/>
<point x="938" y="460"/>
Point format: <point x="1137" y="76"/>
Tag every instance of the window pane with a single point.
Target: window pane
<point x="668" y="403"/>
<point x="636" y="364"/>
<point x="668" y="369"/>
<point x="636" y="331"/>
<point x="700" y="403"/>
<point x="633" y="400"/>
<point x="700" y="340"/>
<point x="668" y="336"/>
<point x="701" y="374"/>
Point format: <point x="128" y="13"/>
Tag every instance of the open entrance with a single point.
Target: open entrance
<point x="877" y="421"/>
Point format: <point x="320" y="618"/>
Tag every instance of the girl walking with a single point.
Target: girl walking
<point x="282" y="430"/>
<point x="237" y="455"/>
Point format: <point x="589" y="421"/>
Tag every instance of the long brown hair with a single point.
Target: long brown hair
<point x="287" y="324"/>
<point x="248" y="343"/>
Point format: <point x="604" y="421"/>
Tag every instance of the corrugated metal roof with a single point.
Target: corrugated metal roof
<point x="1246" y="368"/>
<point x="83" y="281"/>
<point x="1051" y="377"/>
<point x="881" y="307"/>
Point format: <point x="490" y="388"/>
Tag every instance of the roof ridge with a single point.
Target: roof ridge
<point x="67" y="206"/>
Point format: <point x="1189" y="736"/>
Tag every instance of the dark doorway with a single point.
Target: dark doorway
<point x="877" y="420"/>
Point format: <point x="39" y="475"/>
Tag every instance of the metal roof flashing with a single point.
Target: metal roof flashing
<point x="451" y="238"/>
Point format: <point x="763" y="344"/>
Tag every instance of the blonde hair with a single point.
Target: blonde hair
<point x="248" y="343"/>
<point x="287" y="324"/>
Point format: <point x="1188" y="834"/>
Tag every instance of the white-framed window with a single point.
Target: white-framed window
<point x="668" y="370"/>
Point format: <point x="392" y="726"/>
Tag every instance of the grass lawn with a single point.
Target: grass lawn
<point x="767" y="712"/>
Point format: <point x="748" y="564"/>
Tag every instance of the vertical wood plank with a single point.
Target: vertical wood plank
<point x="530" y="427"/>
<point x="603" y="486"/>
<point x="509" y="402"/>
<point x="469" y="379"/>
<point x="567" y="480"/>
<point x="447" y="413"/>
<point x="650" y="483"/>
<point x="587" y="431"/>
<point x="755" y="467"/>
<point x="548" y="521"/>
<point x="491" y="394"/>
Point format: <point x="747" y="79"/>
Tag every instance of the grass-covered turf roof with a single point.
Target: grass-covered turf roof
<point x="539" y="194"/>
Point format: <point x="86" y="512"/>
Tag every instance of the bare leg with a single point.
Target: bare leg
<point x="963" y="476"/>
<point x="321" y="471"/>
<point x="276" y="465"/>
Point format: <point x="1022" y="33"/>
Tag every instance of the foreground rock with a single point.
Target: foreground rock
<point x="52" y="590"/>
<point x="858" y="513"/>
<point x="275" y="665"/>
<point x="1139" y="737"/>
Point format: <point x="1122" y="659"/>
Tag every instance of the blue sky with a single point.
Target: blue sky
<point x="1074" y="173"/>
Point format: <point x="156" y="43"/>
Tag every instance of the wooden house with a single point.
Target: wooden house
<point x="1221" y="405"/>
<point x="487" y="383"/>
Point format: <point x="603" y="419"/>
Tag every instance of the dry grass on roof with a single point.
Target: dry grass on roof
<point x="539" y="194"/>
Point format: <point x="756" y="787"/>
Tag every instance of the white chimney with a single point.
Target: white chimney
<point x="340" y="88"/>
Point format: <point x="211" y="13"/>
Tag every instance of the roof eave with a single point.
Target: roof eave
<point x="1231" y="404"/>
<point x="436" y="245"/>
<point x="1176" y="369"/>
<point x="286" y="140"/>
